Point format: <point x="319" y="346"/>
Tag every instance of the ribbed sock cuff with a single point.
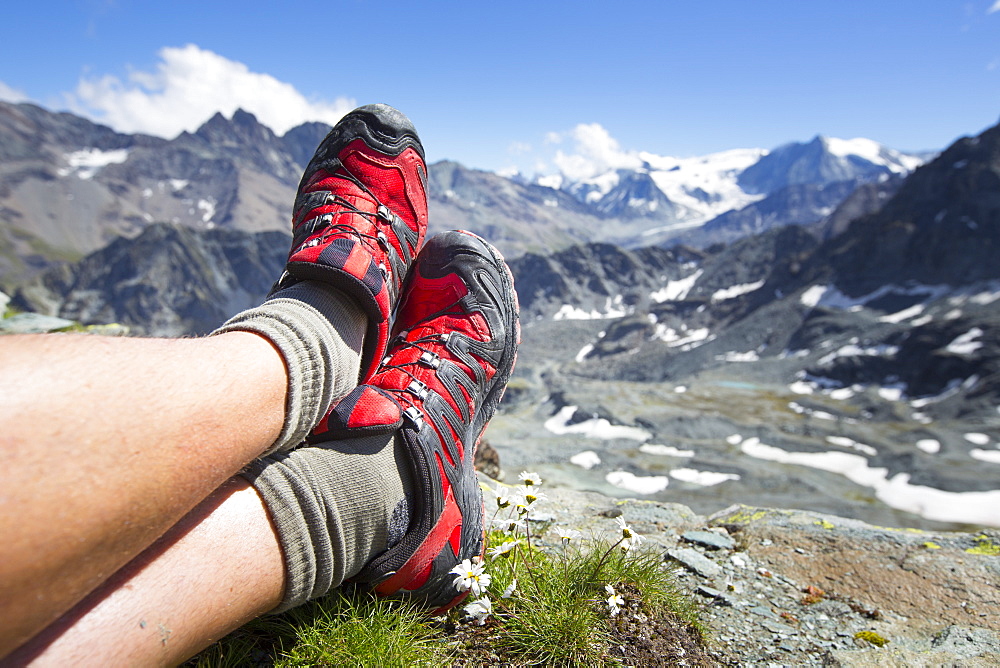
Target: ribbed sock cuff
<point x="335" y="507"/>
<point x="319" y="333"/>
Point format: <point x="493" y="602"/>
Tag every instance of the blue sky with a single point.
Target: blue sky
<point x="500" y="85"/>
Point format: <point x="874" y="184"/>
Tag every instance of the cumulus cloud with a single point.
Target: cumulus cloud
<point x="995" y="7"/>
<point x="188" y="86"/>
<point x="595" y="152"/>
<point x="8" y="94"/>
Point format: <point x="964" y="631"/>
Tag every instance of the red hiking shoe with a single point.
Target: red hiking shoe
<point x="360" y="216"/>
<point x="446" y="370"/>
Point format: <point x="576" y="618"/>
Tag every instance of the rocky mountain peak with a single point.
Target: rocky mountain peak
<point x="302" y="140"/>
<point x="241" y="130"/>
<point x="820" y="160"/>
<point x="941" y="227"/>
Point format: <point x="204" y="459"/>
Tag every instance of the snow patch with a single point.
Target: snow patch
<point x="842" y="393"/>
<point x="891" y="392"/>
<point x="736" y="291"/>
<point x="929" y="445"/>
<point x="845" y="442"/>
<point x="674" y="339"/>
<point x="905" y="314"/>
<point x="976" y="438"/>
<point x="895" y="492"/>
<point x="831" y="297"/>
<point x="587" y="459"/>
<point x="854" y="350"/>
<point x="685" y="181"/>
<point x="873" y="152"/>
<point x="990" y="456"/>
<point x="812" y="295"/>
<point x="966" y="343"/>
<point x="638" y="484"/>
<point x="612" y="309"/>
<point x="732" y="356"/>
<point x="207" y="208"/>
<point x="702" y="478"/>
<point x="593" y="428"/>
<point x="664" y="450"/>
<point x="89" y="161"/>
<point x="801" y="387"/>
<point x="675" y="290"/>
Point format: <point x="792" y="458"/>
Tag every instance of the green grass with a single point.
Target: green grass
<point x="333" y="631"/>
<point x="557" y="615"/>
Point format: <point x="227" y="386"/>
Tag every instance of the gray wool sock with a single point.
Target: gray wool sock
<point x="319" y="332"/>
<point x="335" y="506"/>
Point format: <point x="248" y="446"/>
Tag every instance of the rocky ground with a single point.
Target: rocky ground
<point x="743" y="432"/>
<point x="784" y="587"/>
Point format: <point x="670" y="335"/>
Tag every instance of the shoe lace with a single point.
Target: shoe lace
<point x="332" y="199"/>
<point x="405" y="394"/>
<point x="346" y="207"/>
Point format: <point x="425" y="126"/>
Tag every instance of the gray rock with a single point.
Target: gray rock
<point x="720" y="596"/>
<point x="763" y="612"/>
<point x="695" y="561"/>
<point x="966" y="641"/>
<point x="716" y="541"/>
<point x="829" y="607"/>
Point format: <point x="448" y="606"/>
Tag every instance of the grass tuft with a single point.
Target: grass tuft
<point x="337" y="630"/>
<point x="574" y="603"/>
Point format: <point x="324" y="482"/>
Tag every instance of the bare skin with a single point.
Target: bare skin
<point x="135" y="434"/>
<point x="171" y="601"/>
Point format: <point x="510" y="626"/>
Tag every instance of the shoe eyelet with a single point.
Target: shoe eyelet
<point x="384" y="214"/>
<point x="382" y="239"/>
<point x="430" y="359"/>
<point x="414" y="415"/>
<point x="417" y="389"/>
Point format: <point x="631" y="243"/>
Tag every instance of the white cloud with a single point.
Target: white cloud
<point x="519" y="148"/>
<point x="995" y="7"/>
<point x="596" y="152"/>
<point x="8" y="94"/>
<point x="191" y="84"/>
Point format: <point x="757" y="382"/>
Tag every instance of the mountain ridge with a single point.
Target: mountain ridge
<point x="237" y="173"/>
<point x="789" y="367"/>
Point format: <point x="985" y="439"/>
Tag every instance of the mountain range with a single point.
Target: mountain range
<point x="828" y="341"/>
<point x="69" y="186"/>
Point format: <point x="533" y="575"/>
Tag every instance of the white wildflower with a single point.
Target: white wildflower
<point x="629" y="538"/>
<point x="566" y="535"/>
<point x="471" y="575"/>
<point x="511" y="588"/>
<point x="527" y="497"/>
<point x="479" y="609"/>
<point x="509" y="525"/>
<point x="503" y="500"/>
<point x="504" y="549"/>
<point x="530" y="478"/>
<point x="615" y="600"/>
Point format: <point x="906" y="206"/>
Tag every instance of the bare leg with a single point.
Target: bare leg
<point x="214" y="571"/>
<point x="106" y="443"/>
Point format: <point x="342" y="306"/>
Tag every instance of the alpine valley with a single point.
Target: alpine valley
<point x="813" y="326"/>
